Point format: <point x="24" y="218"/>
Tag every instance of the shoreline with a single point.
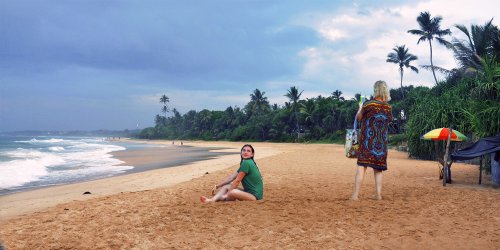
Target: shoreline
<point x="142" y="159"/>
<point x="21" y="203"/>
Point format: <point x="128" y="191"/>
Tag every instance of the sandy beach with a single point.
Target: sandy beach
<point x="306" y="206"/>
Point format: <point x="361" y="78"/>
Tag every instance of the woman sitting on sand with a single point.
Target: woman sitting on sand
<point x="248" y="174"/>
<point x="375" y="116"/>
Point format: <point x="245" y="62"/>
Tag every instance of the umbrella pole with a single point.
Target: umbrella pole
<point x="445" y="168"/>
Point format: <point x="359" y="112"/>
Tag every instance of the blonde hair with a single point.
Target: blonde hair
<point x="381" y="90"/>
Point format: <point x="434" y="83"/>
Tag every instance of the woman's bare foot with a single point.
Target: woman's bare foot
<point x="204" y="199"/>
<point x="354" y="198"/>
<point x="377" y="197"/>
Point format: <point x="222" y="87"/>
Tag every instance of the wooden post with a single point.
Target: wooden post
<point x="480" y="168"/>
<point x="445" y="168"/>
<point x="441" y="167"/>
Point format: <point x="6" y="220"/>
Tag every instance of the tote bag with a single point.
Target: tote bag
<point x="351" y="141"/>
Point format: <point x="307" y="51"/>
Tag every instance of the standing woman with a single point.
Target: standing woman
<point x="375" y="116"/>
<point x="248" y="174"/>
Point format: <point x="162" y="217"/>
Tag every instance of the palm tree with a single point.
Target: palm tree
<point x="258" y="102"/>
<point x="337" y="95"/>
<point x="430" y="29"/>
<point x="165" y="100"/>
<point x="401" y="57"/>
<point x="294" y="97"/>
<point x="308" y="110"/>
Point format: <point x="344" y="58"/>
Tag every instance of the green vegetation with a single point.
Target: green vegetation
<point x="314" y="119"/>
<point x="468" y="100"/>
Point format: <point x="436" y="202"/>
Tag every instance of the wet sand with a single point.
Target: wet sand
<point x="306" y="205"/>
<point x="145" y="159"/>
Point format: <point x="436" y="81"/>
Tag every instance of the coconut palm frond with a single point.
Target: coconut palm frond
<point x="480" y="43"/>
<point x="422" y="39"/>
<point x="465" y="55"/>
<point x="414" y="68"/>
<point x="466" y="32"/>
<point x="412" y="57"/>
<point x="442" y="70"/>
<point x="444" y="42"/>
<point x="392" y="60"/>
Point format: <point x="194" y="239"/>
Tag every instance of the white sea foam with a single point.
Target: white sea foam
<point x="51" y="161"/>
<point x="56" y="148"/>
<point x="25" y="153"/>
<point x="52" y="140"/>
<point x="31" y="166"/>
<point x="18" y="172"/>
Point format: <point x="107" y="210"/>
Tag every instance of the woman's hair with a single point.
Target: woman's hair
<point x="381" y="90"/>
<point x="253" y="152"/>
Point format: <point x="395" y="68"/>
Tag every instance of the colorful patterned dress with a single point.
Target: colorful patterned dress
<point x="374" y="135"/>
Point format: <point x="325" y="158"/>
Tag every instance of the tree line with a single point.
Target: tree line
<point x="319" y="118"/>
<point x="468" y="99"/>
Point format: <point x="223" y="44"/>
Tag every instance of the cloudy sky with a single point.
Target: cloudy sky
<point x="86" y="65"/>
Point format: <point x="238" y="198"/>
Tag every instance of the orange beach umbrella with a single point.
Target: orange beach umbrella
<point x="441" y="134"/>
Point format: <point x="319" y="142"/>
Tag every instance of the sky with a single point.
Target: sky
<point x="102" y="64"/>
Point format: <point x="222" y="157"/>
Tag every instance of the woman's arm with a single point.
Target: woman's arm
<point x="359" y="115"/>
<point x="228" y="180"/>
<point x="237" y="181"/>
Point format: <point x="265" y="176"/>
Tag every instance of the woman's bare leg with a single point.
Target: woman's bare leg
<point x="237" y="194"/>
<point x="360" y="175"/>
<point x="378" y="184"/>
<point x="221" y="195"/>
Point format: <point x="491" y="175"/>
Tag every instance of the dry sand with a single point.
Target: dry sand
<point x="305" y="206"/>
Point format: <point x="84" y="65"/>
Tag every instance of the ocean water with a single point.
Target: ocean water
<point x="33" y="162"/>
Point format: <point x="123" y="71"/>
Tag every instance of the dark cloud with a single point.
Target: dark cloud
<point x="223" y="41"/>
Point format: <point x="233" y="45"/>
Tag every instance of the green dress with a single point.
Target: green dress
<point x="252" y="182"/>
